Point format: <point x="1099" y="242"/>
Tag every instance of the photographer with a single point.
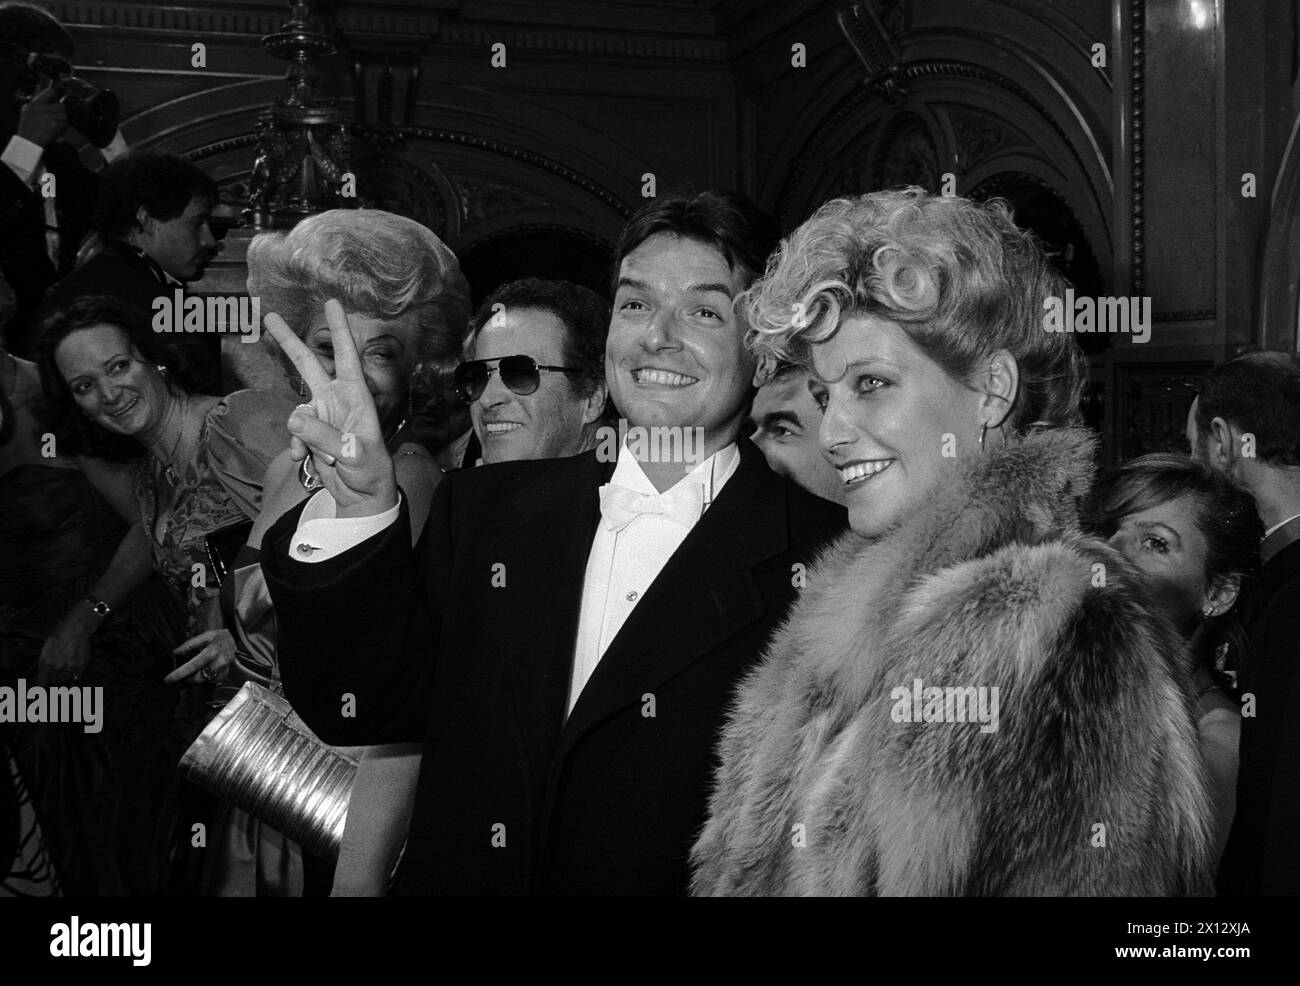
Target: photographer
<point x="43" y="219"/>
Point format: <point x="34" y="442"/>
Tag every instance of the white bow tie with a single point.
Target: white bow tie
<point x="619" y="506"/>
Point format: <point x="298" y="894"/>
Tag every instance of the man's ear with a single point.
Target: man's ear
<point x="594" y="405"/>
<point x="1000" y="383"/>
<point x="143" y="221"/>
<point x="1221" y="447"/>
<point x="1222" y="594"/>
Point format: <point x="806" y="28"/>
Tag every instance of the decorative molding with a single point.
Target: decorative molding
<point x="357" y="18"/>
<point x="861" y="95"/>
<point x="1137" y="158"/>
<point x="978" y="136"/>
<point x="585" y="42"/>
<point x="614" y="202"/>
<point x="574" y="231"/>
<point x="481" y="199"/>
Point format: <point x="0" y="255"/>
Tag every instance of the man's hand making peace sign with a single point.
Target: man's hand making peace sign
<point x="340" y="428"/>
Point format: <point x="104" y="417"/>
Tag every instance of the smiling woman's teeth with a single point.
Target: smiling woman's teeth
<point x="118" y="414"/>
<point x="664" y="378"/>
<point x="860" y="471"/>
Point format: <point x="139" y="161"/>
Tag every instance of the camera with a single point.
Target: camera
<point x="91" y="111"/>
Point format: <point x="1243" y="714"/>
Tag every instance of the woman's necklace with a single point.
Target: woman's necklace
<point x="169" y="466"/>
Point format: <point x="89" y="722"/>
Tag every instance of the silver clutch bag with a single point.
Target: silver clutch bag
<point x="258" y="755"/>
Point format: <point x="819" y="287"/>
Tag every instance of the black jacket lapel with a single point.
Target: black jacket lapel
<point x="544" y="547"/>
<point x="705" y="594"/>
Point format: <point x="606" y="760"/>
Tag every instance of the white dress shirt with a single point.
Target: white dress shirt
<point x="623" y="563"/>
<point x="620" y="567"/>
<point x="26" y="160"/>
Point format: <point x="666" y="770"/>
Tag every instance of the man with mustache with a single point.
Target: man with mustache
<point x="567" y="637"/>
<point x="154" y="216"/>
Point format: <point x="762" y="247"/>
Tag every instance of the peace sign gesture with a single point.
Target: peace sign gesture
<point x="339" y="429"/>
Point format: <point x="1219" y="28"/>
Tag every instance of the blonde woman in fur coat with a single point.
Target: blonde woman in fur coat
<point x="970" y="697"/>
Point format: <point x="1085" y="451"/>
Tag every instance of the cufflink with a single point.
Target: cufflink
<point x="306" y="549"/>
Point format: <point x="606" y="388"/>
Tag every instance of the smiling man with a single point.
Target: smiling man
<point x="534" y="372"/>
<point x="784" y="423"/>
<point x="154" y="217"/>
<point x="566" y="638"/>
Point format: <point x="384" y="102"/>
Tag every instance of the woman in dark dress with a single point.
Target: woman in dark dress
<point x="196" y="466"/>
<point x="69" y="538"/>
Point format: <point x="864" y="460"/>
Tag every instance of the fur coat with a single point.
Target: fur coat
<point x="843" y="772"/>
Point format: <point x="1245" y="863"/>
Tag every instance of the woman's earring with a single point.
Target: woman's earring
<point x="161" y="369"/>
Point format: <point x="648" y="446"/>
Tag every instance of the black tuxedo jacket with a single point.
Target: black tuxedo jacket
<point x="23" y="258"/>
<point x="468" y="641"/>
<point x="1263" y="851"/>
<point x="118" y="271"/>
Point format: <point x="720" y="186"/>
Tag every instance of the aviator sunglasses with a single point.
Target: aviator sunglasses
<point x="521" y="374"/>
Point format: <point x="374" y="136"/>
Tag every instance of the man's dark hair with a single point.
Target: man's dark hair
<point x="729" y="222"/>
<point x="1260" y="394"/>
<point x="34" y="28"/>
<point x="584" y="314"/>
<point x="74" y="432"/>
<point x="163" y="184"/>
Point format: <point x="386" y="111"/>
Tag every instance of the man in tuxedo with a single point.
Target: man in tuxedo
<point x="47" y="197"/>
<point x="1246" y="424"/>
<point x="154" y="217"/>
<point x="566" y="638"/>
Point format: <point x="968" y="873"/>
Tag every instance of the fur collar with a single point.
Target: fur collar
<point x="1024" y="492"/>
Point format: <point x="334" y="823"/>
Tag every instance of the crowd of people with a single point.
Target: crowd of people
<point x="879" y="627"/>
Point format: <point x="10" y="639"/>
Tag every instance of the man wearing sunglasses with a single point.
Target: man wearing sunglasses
<point x="40" y="233"/>
<point x="154" y="217"/>
<point x="534" y="370"/>
<point x="566" y="638"/>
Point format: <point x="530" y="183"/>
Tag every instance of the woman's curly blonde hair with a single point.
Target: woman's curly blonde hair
<point x="376" y="263"/>
<point x="959" y="277"/>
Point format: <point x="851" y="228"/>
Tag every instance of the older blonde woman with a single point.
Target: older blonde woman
<point x="970" y="697"/>
<point x="406" y="303"/>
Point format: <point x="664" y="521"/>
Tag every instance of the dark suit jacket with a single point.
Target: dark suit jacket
<point x="468" y="643"/>
<point x="1263" y="851"/>
<point x="120" y="272"/>
<point x="23" y="258"/>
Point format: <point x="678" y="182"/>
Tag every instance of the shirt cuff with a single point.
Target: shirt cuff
<point x="321" y="534"/>
<point x="23" y="157"/>
<point x="116" y="148"/>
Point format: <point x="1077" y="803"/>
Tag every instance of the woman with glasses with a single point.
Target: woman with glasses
<point x="400" y="292"/>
